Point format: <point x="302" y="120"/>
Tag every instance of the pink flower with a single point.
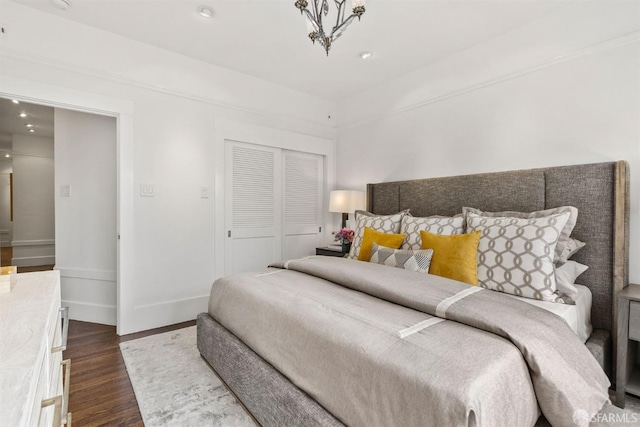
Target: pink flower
<point x="344" y="235"/>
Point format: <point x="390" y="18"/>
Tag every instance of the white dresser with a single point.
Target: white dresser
<point x="33" y="330"/>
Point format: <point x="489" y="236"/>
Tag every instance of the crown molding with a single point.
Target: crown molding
<point x="122" y="79"/>
<point x="570" y="56"/>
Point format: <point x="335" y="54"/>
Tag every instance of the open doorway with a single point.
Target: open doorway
<point x="27" y="216"/>
<point x="61" y="202"/>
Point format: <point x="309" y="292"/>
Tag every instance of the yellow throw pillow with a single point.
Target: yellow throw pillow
<point x="372" y="236"/>
<point x="455" y="256"/>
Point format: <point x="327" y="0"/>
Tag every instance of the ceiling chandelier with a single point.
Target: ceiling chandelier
<point x="320" y="8"/>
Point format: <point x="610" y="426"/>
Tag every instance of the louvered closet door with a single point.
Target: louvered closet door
<point x="253" y="206"/>
<point x="302" y="185"/>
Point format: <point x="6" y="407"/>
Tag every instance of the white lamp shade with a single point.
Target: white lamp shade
<point x="346" y="201"/>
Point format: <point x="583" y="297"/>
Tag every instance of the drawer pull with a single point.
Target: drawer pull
<point x="65" y="391"/>
<point x="65" y="331"/>
<point x="57" y="412"/>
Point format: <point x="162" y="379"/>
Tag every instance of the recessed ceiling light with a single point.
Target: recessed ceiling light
<point x="23" y="115"/>
<point x="62" y="4"/>
<point x="7" y="155"/>
<point x="206" y="11"/>
<point x="32" y="130"/>
<point x="29" y="125"/>
<point x="365" y="55"/>
<point x="15" y="101"/>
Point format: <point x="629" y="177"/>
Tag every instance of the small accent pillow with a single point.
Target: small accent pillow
<point x="566" y="276"/>
<point x="372" y="236"/>
<point x="564" y="235"/>
<point x="444" y="225"/>
<point x="406" y="259"/>
<point x="515" y="255"/>
<point x="573" y="246"/>
<point x="382" y="223"/>
<point x="454" y="256"/>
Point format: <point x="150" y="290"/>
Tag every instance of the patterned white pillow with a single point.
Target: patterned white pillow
<point x="515" y="255"/>
<point x="564" y="235"/>
<point x="445" y="225"/>
<point x="406" y="259"/>
<point x="382" y="223"/>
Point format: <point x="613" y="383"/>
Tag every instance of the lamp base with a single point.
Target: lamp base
<point x="345" y="217"/>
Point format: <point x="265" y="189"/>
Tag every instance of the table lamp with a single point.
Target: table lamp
<point x="346" y="202"/>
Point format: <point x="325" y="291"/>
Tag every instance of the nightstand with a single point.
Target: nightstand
<point x="329" y="252"/>
<point x="627" y="367"/>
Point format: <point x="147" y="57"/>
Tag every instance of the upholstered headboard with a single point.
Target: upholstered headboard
<point x="600" y="191"/>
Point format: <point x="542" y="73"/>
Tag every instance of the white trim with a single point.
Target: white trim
<point x="441" y="309"/>
<point x="163" y="313"/>
<point x="497" y="79"/>
<point x="419" y="326"/>
<point x="88" y="312"/>
<point x="33" y="261"/>
<point x="119" y="78"/>
<point x="42" y="242"/>
<point x="83" y="273"/>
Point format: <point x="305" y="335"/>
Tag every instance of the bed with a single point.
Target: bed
<point x="285" y="374"/>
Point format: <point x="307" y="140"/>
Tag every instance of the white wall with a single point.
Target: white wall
<point x="33" y="204"/>
<point x="576" y="101"/>
<point x="168" y="107"/>
<point x="85" y="160"/>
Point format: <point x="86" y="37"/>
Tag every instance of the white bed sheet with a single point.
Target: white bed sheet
<point x="578" y="316"/>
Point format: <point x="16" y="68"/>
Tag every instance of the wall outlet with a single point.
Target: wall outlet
<point x="204" y="192"/>
<point x="65" y="190"/>
<point x="146" y="190"/>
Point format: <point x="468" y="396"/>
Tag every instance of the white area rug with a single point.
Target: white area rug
<point x="174" y="386"/>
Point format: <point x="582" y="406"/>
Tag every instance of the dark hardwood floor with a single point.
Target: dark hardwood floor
<point x="100" y="391"/>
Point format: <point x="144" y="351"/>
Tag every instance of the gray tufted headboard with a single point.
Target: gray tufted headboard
<point x="600" y="191"/>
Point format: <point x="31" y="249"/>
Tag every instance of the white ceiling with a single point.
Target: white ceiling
<point x="267" y="38"/>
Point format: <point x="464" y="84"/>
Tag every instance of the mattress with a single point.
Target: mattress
<point x="578" y="316"/>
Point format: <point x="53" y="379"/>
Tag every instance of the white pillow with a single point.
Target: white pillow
<point x="382" y="223"/>
<point x="566" y="276"/>
<point x="515" y="255"/>
<point x="412" y="225"/>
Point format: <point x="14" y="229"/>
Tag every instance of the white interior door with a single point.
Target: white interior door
<point x="253" y="208"/>
<point x="302" y="184"/>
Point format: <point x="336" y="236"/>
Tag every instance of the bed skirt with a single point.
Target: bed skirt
<point x="270" y="397"/>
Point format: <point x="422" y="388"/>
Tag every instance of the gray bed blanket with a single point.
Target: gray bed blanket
<point x="379" y="346"/>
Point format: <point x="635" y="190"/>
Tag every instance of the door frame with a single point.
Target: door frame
<point x="123" y="111"/>
<point x="232" y="130"/>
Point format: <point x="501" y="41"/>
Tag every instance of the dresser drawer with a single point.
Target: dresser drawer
<point x="634" y="320"/>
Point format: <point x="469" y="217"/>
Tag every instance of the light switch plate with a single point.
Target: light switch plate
<point x="146" y="190"/>
<point x="65" y="190"/>
<point x="204" y="192"/>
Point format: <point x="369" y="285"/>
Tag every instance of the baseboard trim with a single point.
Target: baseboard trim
<point x="155" y="315"/>
<point x="33" y="261"/>
<point x="43" y="242"/>
<point x="84" y="273"/>
<point x="88" y="312"/>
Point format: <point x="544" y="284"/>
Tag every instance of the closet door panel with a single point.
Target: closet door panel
<point x="252" y="205"/>
<point x="302" y="183"/>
